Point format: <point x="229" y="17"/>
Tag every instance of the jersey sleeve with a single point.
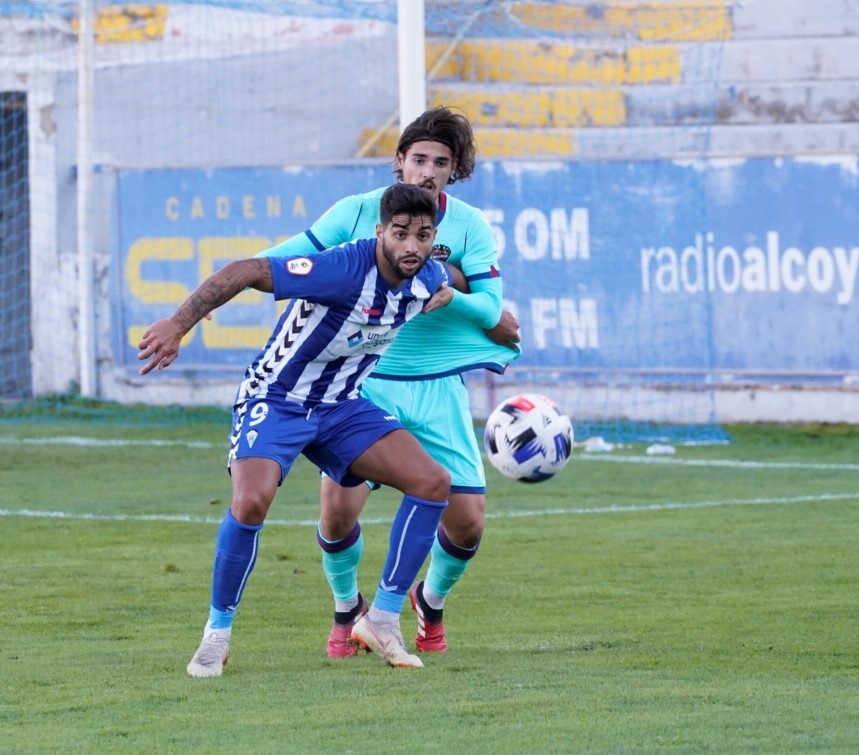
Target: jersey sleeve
<point x="298" y="244"/>
<point x="328" y="278"/>
<point x="480" y="266"/>
<point x="334" y="227"/>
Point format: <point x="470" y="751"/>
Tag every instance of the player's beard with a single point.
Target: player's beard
<point x="395" y="263"/>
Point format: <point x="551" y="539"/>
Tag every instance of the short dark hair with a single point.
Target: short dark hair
<point x="442" y="125"/>
<point x="406" y="199"/>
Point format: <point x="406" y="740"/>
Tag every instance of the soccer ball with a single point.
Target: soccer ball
<point x="527" y="438"/>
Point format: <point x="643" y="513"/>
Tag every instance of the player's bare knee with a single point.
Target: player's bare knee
<point x="340" y="509"/>
<point x="465" y="518"/>
<point x="432" y="483"/>
<point x="466" y="531"/>
<point x="335" y="510"/>
<point x="251" y="507"/>
<point x="335" y="524"/>
<point x="438" y="482"/>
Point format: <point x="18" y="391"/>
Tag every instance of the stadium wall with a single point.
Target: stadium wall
<point x="782" y="103"/>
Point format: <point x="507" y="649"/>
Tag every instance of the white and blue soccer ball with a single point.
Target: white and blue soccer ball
<point x="528" y="438"/>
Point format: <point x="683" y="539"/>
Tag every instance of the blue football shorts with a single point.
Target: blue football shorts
<point x="331" y="436"/>
<point x="437" y="412"/>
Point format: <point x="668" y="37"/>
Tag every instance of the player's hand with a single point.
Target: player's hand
<point x="506" y="332"/>
<point x="440" y="298"/>
<point x="160" y="345"/>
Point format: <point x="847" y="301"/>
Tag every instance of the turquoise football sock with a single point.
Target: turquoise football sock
<point x="340" y="559"/>
<point x="448" y="563"/>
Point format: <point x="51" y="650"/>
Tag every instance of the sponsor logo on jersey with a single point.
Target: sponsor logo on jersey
<point x="440" y="252"/>
<point x="354" y="339"/>
<point x="371" y="312"/>
<point x="299" y="266"/>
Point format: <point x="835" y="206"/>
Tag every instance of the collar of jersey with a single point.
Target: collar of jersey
<point x="442" y="207"/>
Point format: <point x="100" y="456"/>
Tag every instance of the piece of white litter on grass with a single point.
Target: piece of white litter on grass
<point x="659" y="449"/>
<point x="597" y="445"/>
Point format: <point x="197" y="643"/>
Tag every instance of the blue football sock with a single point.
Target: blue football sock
<point x="340" y="559"/>
<point x="412" y="535"/>
<point x="235" y="556"/>
<point x="447" y="565"/>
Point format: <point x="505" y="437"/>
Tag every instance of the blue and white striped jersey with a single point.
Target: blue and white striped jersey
<point x="342" y="317"/>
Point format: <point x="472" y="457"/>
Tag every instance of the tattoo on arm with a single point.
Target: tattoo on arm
<point x="224" y="285"/>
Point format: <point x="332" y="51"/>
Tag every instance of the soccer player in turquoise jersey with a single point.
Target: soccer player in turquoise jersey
<point x="419" y="380"/>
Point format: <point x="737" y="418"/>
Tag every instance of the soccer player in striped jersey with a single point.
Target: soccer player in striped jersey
<point x="301" y="395"/>
<point x="419" y="379"/>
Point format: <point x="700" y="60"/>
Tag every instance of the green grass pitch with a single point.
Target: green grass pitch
<point x="702" y="602"/>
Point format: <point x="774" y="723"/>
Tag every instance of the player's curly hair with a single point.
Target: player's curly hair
<point x="442" y="125"/>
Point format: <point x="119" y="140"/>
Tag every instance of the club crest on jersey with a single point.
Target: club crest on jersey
<point x="299" y="266"/>
<point x="440" y="252"/>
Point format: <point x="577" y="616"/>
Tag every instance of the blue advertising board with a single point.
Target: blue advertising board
<point x="673" y="270"/>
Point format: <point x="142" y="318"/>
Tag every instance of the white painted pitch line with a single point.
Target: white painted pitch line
<point x="671" y="506"/>
<point x="517" y="514"/>
<point x="731" y="463"/>
<point x="71" y="440"/>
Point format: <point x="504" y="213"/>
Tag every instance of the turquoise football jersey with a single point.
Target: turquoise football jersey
<point x="449" y="340"/>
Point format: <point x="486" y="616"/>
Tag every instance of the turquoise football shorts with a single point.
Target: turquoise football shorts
<point x="437" y="413"/>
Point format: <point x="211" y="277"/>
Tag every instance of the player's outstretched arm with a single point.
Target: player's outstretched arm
<point x="160" y="341"/>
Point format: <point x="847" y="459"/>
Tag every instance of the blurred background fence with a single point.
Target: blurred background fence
<point x="672" y="185"/>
